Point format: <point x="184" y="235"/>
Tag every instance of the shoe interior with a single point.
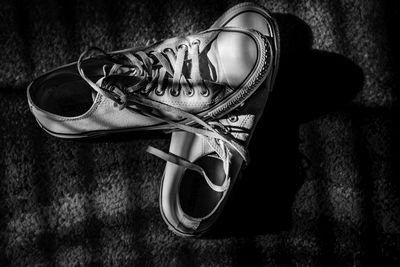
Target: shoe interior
<point x="197" y="199"/>
<point x="65" y="95"/>
<point x="64" y="92"/>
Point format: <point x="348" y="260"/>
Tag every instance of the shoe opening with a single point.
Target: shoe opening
<point x="197" y="199"/>
<point x="63" y="94"/>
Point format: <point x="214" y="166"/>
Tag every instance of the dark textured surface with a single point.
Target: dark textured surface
<point x="323" y="185"/>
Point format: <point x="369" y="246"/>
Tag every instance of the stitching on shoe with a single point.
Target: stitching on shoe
<point x="253" y="82"/>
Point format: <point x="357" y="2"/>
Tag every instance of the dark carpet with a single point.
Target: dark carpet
<point x="323" y="185"/>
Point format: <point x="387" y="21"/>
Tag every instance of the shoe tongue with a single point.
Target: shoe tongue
<point x="214" y="65"/>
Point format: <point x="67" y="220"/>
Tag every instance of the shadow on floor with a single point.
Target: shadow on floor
<point x="310" y="83"/>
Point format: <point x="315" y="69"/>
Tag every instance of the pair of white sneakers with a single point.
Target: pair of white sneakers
<point x="208" y="88"/>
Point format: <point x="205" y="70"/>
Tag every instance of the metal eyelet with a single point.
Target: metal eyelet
<point x="233" y="118"/>
<point x="165" y="50"/>
<point x="196" y="42"/>
<point x="205" y="93"/>
<point x="190" y="92"/>
<point x="174" y="93"/>
<point x="183" y="45"/>
<point x="159" y="93"/>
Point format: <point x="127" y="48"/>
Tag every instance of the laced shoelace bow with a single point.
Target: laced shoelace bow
<point x="153" y="69"/>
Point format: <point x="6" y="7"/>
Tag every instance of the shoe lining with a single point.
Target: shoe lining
<point x="65" y="95"/>
<point x="197" y="199"/>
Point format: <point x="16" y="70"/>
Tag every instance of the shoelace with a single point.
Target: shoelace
<point x="152" y="69"/>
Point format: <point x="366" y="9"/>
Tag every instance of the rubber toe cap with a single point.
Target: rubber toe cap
<point x="237" y="57"/>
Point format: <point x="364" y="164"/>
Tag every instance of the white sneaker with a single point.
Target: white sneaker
<point x="174" y="84"/>
<point x="203" y="166"/>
